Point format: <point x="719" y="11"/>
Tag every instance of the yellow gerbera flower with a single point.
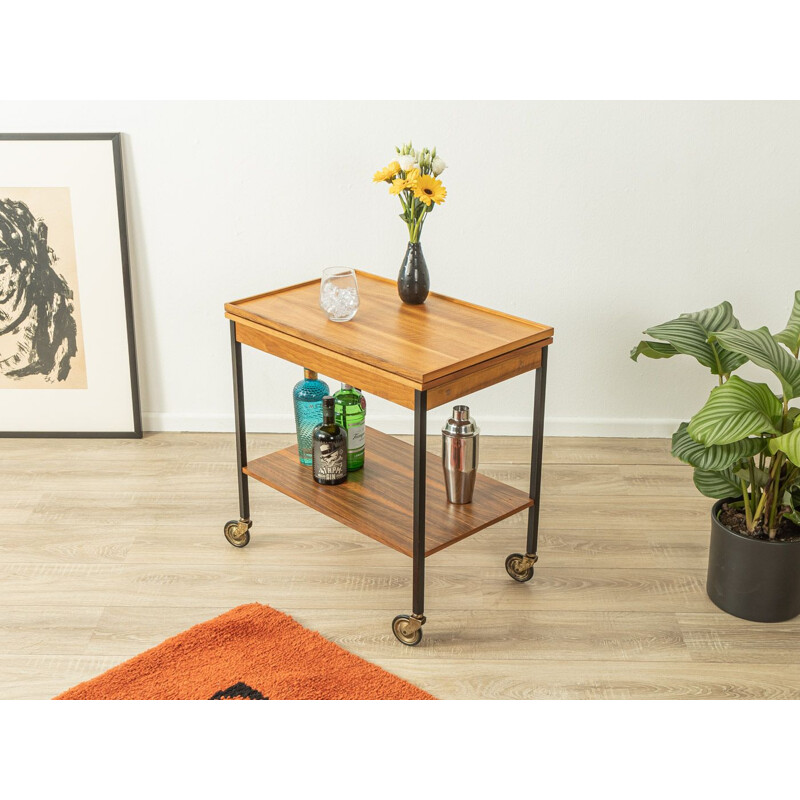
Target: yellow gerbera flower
<point x="411" y="177"/>
<point x="387" y="173"/>
<point x="429" y="190"/>
<point x="398" y="184"/>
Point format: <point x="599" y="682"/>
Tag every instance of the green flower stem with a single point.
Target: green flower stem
<point x="408" y="212"/>
<point x="417" y="219"/>
<point x="420" y="220"/>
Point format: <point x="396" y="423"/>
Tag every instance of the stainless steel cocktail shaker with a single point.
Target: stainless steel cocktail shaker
<point x="460" y="455"/>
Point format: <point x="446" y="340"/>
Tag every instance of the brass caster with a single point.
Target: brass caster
<point x="408" y="629"/>
<point x="237" y="532"/>
<point x="520" y="567"/>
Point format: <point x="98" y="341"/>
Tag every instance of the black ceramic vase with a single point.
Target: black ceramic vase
<point x="413" y="282"/>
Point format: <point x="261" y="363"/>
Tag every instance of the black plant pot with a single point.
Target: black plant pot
<point x="413" y="282"/>
<point x="753" y="579"/>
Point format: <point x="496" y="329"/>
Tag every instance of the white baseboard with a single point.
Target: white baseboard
<point x="403" y="423"/>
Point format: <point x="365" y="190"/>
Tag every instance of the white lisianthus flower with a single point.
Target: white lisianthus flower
<point x="406" y="162"/>
<point x="438" y="166"/>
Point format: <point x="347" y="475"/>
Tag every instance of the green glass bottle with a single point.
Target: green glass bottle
<point x="351" y="412"/>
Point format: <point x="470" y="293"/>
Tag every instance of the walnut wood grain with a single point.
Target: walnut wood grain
<point x="420" y="343"/>
<point x="327" y="362"/>
<point x="486" y="374"/>
<point x="377" y="500"/>
<point x="384" y="384"/>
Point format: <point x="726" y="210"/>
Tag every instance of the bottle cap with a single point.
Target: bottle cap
<point x="346" y="386"/>
<point x="309" y="374"/>
<point x="327" y="401"/>
<point x="460" y="425"/>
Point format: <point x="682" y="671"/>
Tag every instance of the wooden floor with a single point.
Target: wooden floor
<point x="109" y="547"/>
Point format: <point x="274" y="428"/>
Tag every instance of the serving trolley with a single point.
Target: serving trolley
<point x="418" y="357"/>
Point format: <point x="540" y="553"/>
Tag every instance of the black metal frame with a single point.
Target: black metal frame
<point x="241" y="432"/>
<point x="536" y="455"/>
<point x="136" y="432"/>
<point x="420" y="467"/>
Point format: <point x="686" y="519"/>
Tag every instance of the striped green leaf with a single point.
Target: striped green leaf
<point x="762" y="349"/>
<point x="653" y="350"/>
<point x="734" y="411"/>
<point x="789" y="443"/>
<point x="689" y="334"/>
<point x="790" y="335"/>
<point x="716" y="456"/>
<point x="717" y="484"/>
<point x="716" y="318"/>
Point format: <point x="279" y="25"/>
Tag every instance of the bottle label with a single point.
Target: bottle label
<point x="331" y="463"/>
<point x="356" y="438"/>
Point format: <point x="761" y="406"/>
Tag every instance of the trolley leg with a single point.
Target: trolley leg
<point x="408" y="629"/>
<point x="518" y="566"/>
<point x="238" y="532"/>
<point x="420" y="455"/>
<point x="536" y="455"/>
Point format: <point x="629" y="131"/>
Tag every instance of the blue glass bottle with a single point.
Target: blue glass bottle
<point x="307" y="396"/>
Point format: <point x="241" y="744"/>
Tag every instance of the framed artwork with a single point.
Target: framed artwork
<point x="67" y="351"/>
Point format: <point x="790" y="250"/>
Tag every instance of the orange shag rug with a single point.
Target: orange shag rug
<point x="250" y="653"/>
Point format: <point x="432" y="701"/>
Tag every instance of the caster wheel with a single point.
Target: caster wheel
<point x="238" y="533"/>
<point x="401" y="632"/>
<point x="515" y="570"/>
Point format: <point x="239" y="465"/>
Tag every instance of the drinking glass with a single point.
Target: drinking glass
<point x="338" y="294"/>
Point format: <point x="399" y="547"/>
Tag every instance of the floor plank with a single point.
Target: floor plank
<point x="598" y="680"/>
<point x="50" y="630"/>
<point x="337" y="546"/>
<point x="32" y="677"/>
<point x="107" y="547"/>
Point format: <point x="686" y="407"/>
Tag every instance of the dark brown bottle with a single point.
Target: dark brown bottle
<point x="329" y="447"/>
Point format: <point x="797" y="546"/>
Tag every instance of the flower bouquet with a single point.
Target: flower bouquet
<point x="413" y="178"/>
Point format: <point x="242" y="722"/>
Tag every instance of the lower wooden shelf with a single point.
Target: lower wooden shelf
<point x="378" y="499"/>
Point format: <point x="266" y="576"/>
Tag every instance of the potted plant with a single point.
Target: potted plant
<point x="744" y="445"/>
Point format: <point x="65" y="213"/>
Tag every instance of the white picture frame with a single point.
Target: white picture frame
<point x="67" y="350"/>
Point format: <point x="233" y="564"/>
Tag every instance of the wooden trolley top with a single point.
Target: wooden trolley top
<point x="446" y="347"/>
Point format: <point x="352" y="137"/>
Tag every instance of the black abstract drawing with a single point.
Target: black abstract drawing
<point x="38" y="333"/>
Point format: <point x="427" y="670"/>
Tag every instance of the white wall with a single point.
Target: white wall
<point x="597" y="218"/>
